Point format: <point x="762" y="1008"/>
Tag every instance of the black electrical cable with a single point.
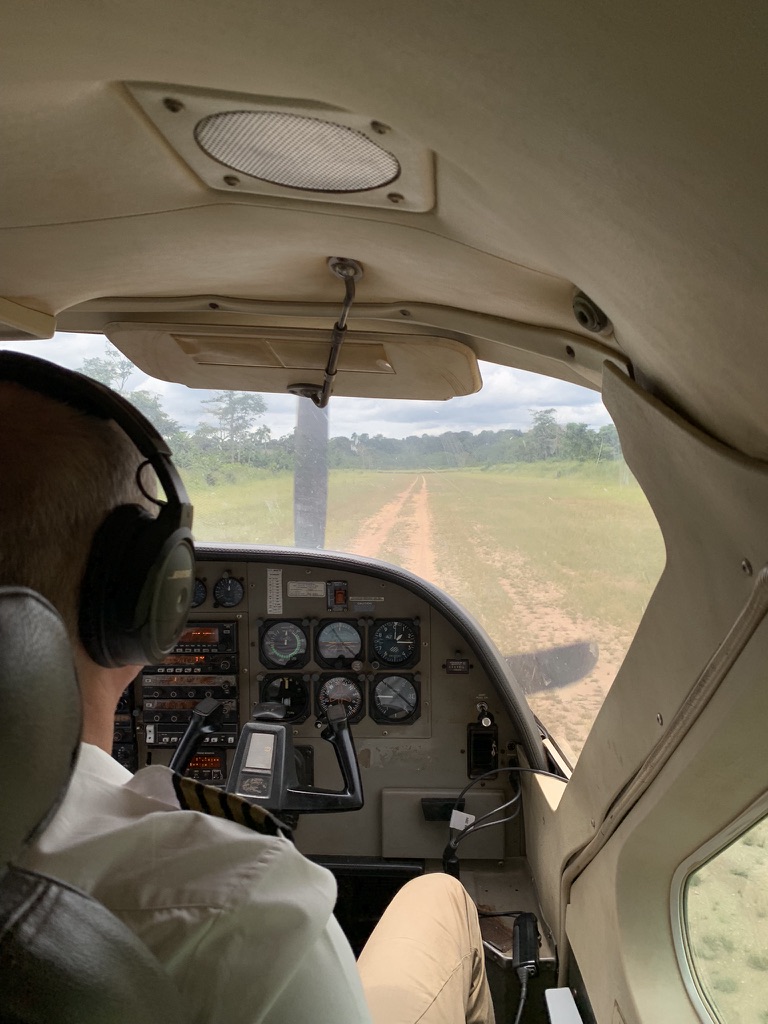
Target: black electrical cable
<point x="513" y="768"/>
<point x="522" y="973"/>
<point x="477" y="823"/>
<point x="450" y="859"/>
<point x="474" y="827"/>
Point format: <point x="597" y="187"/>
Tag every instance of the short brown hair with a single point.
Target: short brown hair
<point x="62" y="472"/>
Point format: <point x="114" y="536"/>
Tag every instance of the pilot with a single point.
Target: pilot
<point x="242" y="922"/>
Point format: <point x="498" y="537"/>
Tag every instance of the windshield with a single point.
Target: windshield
<point x="515" y="500"/>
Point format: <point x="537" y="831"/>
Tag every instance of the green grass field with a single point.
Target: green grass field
<point x="583" y="531"/>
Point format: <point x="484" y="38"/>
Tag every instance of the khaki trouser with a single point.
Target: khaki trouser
<point x="424" y="960"/>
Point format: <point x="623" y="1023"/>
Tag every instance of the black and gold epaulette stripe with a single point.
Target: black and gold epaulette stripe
<point x="194" y="796"/>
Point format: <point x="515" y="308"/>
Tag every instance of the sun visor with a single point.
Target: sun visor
<point x="371" y="364"/>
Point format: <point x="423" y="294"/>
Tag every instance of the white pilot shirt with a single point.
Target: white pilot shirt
<point x="242" y="922"/>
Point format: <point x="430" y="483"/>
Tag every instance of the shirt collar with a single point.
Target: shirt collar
<point x="95" y="761"/>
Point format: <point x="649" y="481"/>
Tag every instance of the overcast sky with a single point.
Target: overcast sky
<point x="505" y="400"/>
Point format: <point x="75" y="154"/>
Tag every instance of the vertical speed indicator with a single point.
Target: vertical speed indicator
<point x="395" y="641"/>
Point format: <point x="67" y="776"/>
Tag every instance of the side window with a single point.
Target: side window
<point x="725" y="926"/>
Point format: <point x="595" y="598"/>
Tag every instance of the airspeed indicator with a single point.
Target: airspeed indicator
<point x="284" y="644"/>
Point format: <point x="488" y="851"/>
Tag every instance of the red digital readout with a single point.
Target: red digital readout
<point x="200" y="635"/>
<point x="184" y="659"/>
<point x="207" y="762"/>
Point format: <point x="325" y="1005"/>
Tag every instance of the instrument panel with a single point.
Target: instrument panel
<point x="308" y="630"/>
<point x="298" y="636"/>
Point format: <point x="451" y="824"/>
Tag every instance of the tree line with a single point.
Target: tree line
<point x="230" y="433"/>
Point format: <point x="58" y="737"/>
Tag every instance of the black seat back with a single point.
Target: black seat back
<point x="63" y="956"/>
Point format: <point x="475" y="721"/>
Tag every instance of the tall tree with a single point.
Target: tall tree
<point x="111" y="369"/>
<point x="578" y="442"/>
<point x="150" y="405"/>
<point x="236" y="413"/>
<point x="542" y="439"/>
<point x="609" y="446"/>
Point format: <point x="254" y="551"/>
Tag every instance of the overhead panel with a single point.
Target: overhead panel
<point x="289" y="148"/>
<point x="372" y="364"/>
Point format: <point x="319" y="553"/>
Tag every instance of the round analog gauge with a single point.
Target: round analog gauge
<point x="394" y="699"/>
<point x="289" y="691"/>
<point x="228" y="592"/>
<point x="344" y="691"/>
<point x="200" y="593"/>
<point x="395" y="641"/>
<point x="284" y="643"/>
<point x="339" y="640"/>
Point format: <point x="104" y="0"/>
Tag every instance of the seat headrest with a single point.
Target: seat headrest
<point x="40" y="716"/>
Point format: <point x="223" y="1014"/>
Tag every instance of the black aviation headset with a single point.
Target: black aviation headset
<point x="138" y="584"/>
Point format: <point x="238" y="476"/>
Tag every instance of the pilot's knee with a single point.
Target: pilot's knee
<point x="436" y="889"/>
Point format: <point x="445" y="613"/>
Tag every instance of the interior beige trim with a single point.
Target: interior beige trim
<point x="25" y="322"/>
<point x="706" y="685"/>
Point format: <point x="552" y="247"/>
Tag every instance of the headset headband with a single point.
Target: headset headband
<point x="95" y="399"/>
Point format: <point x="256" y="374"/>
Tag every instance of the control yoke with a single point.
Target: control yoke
<point x="264" y="768"/>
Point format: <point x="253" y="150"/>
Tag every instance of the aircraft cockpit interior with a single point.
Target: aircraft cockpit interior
<point x="442" y="329"/>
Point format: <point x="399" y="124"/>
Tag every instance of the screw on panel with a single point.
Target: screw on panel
<point x="569" y="351"/>
<point x="213" y="305"/>
<point x="172" y="104"/>
<point x="231" y="180"/>
<point x="380" y="128"/>
<point x="395" y="197"/>
<point x="746" y="567"/>
<point x="660" y="719"/>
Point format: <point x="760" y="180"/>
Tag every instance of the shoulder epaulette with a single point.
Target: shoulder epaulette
<point x="195" y="796"/>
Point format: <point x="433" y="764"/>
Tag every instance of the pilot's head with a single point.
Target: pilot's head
<point x="63" y="471"/>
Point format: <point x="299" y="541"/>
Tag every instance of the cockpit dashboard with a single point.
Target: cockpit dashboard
<point x="429" y="700"/>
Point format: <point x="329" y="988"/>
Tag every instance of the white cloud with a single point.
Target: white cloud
<point x="505" y="401"/>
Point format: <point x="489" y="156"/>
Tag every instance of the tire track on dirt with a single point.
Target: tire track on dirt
<point x="373" y="534"/>
<point x="410" y="515"/>
<point x="420" y="552"/>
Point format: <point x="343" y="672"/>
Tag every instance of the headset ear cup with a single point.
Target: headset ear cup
<point x="137" y="590"/>
<point x="107" y="588"/>
<point x="166" y="598"/>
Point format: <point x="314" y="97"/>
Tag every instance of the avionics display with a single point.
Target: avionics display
<point x="200" y="635"/>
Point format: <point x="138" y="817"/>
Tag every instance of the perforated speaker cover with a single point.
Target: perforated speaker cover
<point x="295" y="151"/>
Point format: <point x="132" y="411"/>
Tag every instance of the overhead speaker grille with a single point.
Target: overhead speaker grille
<point x="296" y="151"/>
